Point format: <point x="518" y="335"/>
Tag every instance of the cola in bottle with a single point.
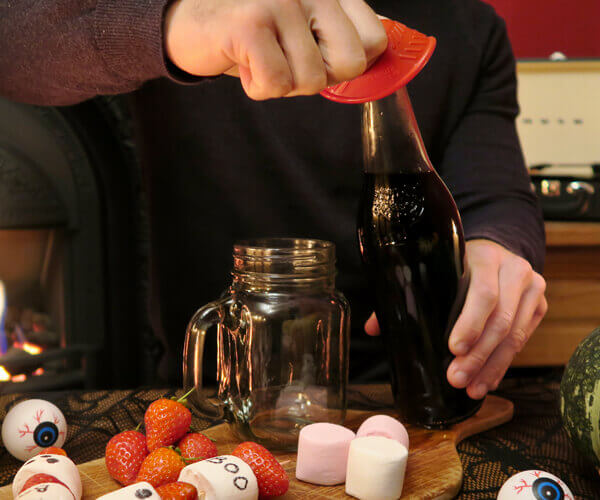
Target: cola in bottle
<point x="412" y="243"/>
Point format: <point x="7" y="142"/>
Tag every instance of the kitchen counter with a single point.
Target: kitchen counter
<point x="533" y="439"/>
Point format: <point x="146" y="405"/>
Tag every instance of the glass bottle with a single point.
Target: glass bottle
<point x="412" y="243"/>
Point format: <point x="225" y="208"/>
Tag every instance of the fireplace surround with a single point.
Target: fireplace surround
<point x="72" y="251"/>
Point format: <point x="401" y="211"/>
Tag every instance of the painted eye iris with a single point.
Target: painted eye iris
<point x="45" y="434"/>
<point x="545" y="488"/>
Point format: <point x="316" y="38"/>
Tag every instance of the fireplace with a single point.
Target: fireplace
<point x="72" y="259"/>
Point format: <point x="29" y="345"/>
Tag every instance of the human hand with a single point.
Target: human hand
<point x="277" y="47"/>
<point x="504" y="305"/>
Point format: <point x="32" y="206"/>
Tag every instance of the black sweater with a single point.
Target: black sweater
<point x="221" y="167"/>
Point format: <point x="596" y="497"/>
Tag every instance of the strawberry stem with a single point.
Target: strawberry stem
<point x="183" y="399"/>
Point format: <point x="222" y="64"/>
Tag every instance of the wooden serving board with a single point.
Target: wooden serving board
<point x="434" y="470"/>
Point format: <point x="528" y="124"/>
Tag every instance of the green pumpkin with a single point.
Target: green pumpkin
<point x="580" y="397"/>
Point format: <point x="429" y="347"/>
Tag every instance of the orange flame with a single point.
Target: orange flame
<point x="39" y="371"/>
<point x="19" y="378"/>
<point x="4" y="375"/>
<point x="29" y="347"/>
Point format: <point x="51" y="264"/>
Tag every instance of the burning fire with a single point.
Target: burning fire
<point x="28" y="347"/>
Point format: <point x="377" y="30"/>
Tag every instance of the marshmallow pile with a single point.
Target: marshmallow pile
<point x="371" y="462"/>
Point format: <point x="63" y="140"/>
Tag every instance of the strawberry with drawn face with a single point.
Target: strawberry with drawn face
<point x="534" y="485"/>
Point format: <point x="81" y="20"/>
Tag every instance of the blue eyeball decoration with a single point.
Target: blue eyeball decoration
<point x="31" y="426"/>
<point x="534" y="485"/>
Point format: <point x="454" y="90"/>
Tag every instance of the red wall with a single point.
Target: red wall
<point x="539" y="27"/>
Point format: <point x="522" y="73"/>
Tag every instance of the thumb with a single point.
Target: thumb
<point x="371" y="326"/>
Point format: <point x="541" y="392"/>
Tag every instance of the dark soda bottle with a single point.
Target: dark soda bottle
<point x="412" y="243"/>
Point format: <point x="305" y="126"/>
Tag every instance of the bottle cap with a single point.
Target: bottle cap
<point x="406" y="54"/>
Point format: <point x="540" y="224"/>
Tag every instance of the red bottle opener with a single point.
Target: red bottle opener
<point x="407" y="52"/>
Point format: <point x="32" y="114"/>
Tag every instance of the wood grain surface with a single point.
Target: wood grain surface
<point x="434" y="469"/>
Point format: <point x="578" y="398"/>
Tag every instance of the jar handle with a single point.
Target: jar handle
<point x="193" y="354"/>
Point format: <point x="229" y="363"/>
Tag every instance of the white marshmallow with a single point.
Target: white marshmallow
<point x="134" y="491"/>
<point x="46" y="491"/>
<point x="376" y="467"/>
<point x="223" y="477"/>
<point x="62" y="468"/>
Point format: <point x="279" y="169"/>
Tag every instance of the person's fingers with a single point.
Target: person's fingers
<point x="372" y="326"/>
<point x="481" y="300"/>
<point x="369" y="27"/>
<point x="339" y="42"/>
<point x="515" y="277"/>
<point x="304" y="58"/>
<point x="531" y="311"/>
<point x="263" y="67"/>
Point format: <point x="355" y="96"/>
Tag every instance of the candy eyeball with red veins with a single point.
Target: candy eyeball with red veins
<point x="534" y="485"/>
<point x="31" y="426"/>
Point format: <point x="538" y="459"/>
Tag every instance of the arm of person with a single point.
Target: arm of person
<point x="483" y="167"/>
<point x="55" y="52"/>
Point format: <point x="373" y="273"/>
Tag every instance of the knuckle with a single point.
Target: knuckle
<point x="523" y="269"/>
<point x="502" y="321"/>
<point x="255" y="16"/>
<point x="487" y="293"/>
<point x="517" y="339"/>
<point x="477" y="359"/>
<point x="346" y="68"/>
<point x="375" y="43"/>
<point x="539" y="283"/>
<point x="313" y="83"/>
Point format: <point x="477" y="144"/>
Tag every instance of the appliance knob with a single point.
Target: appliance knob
<point x="550" y="188"/>
<point x="577" y="187"/>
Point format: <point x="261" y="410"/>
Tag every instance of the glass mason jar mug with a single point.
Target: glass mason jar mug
<point x="282" y="342"/>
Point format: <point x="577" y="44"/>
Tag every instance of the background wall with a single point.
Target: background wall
<point x="537" y="28"/>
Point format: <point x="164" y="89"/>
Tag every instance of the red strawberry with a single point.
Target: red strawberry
<point x="272" y="479"/>
<point x="124" y="455"/>
<point x="162" y="466"/>
<point x="53" y="450"/>
<point x="195" y="447"/>
<point x="39" y="479"/>
<point x="166" y="421"/>
<point x="177" y="491"/>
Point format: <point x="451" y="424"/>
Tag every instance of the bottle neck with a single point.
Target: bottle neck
<point x="392" y="143"/>
<point x="284" y="265"/>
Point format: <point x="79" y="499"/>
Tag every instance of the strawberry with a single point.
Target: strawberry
<point x="177" y="491"/>
<point x="39" y="479"/>
<point x="162" y="466"/>
<point x="272" y="479"/>
<point x="166" y="421"/>
<point x="124" y="455"/>
<point x="53" y="450"/>
<point x="195" y="447"/>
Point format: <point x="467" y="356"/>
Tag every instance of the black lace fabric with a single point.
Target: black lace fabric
<point x="534" y="439"/>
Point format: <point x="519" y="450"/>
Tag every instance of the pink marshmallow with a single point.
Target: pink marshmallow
<point x="323" y="453"/>
<point x="383" y="425"/>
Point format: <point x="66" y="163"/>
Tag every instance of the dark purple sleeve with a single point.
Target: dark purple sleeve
<point x="56" y="52"/>
<point x="483" y="164"/>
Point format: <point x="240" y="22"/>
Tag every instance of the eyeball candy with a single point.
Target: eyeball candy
<point x="534" y="485"/>
<point x="31" y="426"/>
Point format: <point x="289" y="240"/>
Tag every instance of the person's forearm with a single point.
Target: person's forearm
<point x="57" y="52"/>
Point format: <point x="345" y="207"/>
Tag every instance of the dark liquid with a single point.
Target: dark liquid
<point x="412" y="243"/>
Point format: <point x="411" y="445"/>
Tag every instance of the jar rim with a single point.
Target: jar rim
<point x="284" y="259"/>
<point x="281" y="246"/>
